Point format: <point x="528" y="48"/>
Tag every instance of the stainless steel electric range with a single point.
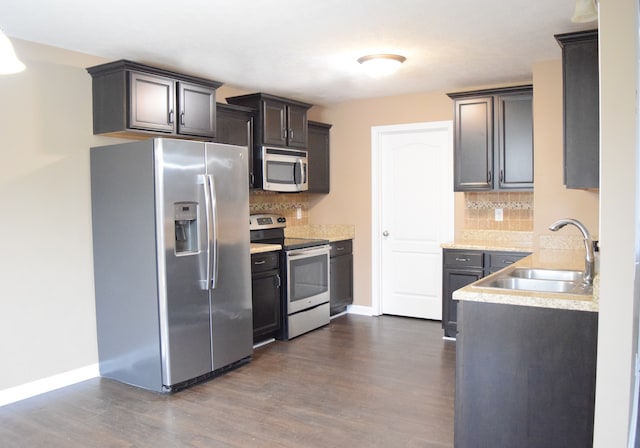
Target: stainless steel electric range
<point x="305" y="271"/>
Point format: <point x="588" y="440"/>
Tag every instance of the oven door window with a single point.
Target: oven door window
<point x="281" y="172"/>
<point x="309" y="277"/>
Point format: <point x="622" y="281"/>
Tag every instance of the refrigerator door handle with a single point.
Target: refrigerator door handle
<point x="212" y="219"/>
<point x="207" y="211"/>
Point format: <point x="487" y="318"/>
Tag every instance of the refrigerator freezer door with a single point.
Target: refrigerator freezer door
<point x="231" y="312"/>
<point x="184" y="301"/>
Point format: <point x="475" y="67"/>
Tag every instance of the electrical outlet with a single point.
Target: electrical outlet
<point x="498" y="214"/>
<point x="299" y="213"/>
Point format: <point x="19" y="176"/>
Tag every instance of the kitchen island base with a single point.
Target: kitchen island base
<point x="525" y="376"/>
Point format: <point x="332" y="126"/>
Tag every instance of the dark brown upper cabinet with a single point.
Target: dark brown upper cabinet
<point x="280" y="121"/>
<point x="580" y="79"/>
<point x="234" y="126"/>
<point x="319" y="157"/>
<point x="493" y="139"/>
<point x="131" y="98"/>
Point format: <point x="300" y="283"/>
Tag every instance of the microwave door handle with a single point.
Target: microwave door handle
<point x="298" y="179"/>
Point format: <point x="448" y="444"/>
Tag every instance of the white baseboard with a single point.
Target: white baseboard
<point x="359" y="309"/>
<point x="48" y="384"/>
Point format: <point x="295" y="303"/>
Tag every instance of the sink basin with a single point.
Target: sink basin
<point x="547" y="274"/>
<point x="538" y="280"/>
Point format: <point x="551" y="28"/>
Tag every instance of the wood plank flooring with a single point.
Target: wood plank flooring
<point x="359" y="382"/>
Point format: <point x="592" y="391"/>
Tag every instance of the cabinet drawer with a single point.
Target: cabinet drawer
<point x="341" y="248"/>
<point x="264" y="261"/>
<point x="463" y="258"/>
<point x="498" y="260"/>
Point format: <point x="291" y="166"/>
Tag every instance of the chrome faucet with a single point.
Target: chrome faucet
<point x="589" y="259"/>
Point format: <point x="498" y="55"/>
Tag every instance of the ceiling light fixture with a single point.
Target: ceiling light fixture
<point x="9" y="62"/>
<point x="586" y="11"/>
<point x="378" y="65"/>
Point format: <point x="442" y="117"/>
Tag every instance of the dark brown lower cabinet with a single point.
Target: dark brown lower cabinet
<point x="341" y="276"/>
<point x="525" y="376"/>
<point x="265" y="294"/>
<point x="461" y="267"/>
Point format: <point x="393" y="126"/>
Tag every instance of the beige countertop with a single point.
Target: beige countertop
<point x="545" y="259"/>
<point x="258" y="248"/>
<point x="331" y="232"/>
<point x="493" y="240"/>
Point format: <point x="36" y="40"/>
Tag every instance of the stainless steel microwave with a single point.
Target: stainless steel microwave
<point x="284" y="169"/>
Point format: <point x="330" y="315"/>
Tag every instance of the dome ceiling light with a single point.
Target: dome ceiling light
<point x="586" y="11"/>
<point x="9" y="62"/>
<point x="379" y="65"/>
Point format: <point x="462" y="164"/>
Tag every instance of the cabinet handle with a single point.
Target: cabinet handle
<point x="462" y="259"/>
<point x="277" y="279"/>
<point x="283" y="133"/>
<point x="339" y="248"/>
<point x="171" y="116"/>
<point x="490" y="177"/>
<point x="182" y="118"/>
<point x="501" y="176"/>
<point x="251" y="179"/>
<point x="259" y="262"/>
<point x="290" y="134"/>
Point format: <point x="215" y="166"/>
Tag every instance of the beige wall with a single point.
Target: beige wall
<point x="47" y="314"/>
<point x="350" y="199"/>
<point x="619" y="231"/>
<point x="552" y="200"/>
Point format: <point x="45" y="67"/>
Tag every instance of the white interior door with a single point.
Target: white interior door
<point x="414" y="181"/>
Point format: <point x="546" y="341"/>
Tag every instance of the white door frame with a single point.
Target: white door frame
<point x="376" y="199"/>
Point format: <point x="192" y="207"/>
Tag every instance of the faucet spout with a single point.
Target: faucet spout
<point x="589" y="259"/>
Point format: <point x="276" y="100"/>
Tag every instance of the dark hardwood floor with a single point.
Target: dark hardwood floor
<point x="359" y="382"/>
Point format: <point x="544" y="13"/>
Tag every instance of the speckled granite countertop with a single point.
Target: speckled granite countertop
<point x="493" y="240"/>
<point x="331" y="232"/>
<point x="546" y="259"/>
<point x="258" y="248"/>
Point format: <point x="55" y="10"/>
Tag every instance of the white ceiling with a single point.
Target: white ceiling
<point x="307" y="49"/>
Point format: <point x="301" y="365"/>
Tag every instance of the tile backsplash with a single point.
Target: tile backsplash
<point x="285" y="204"/>
<point x="517" y="211"/>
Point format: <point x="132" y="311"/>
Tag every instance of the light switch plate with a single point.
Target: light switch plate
<point x="498" y="214"/>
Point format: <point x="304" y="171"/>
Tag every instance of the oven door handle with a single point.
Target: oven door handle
<point x="308" y="252"/>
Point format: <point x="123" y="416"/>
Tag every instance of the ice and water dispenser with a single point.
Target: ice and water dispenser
<point x="186" y="224"/>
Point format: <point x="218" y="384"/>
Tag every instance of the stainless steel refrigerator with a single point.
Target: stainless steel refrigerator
<point x="171" y="260"/>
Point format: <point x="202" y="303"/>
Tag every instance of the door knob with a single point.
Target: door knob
<point x="385" y="233"/>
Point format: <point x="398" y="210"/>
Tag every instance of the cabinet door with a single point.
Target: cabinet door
<point x="274" y="125"/>
<point x="236" y="128"/>
<point x="515" y="141"/>
<point x="151" y="102"/>
<point x="197" y="110"/>
<point x="581" y="108"/>
<point x="341" y="287"/>
<point x="266" y="305"/>
<point x="297" y="126"/>
<point x="318" y="153"/>
<point x="473" y="146"/>
<point x="452" y="280"/>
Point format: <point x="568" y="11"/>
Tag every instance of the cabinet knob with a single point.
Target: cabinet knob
<point x="385" y="233"/>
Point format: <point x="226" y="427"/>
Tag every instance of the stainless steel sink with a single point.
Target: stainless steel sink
<point x="538" y="280"/>
<point x="547" y="274"/>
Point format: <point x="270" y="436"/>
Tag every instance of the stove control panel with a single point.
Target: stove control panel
<point x="267" y="221"/>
